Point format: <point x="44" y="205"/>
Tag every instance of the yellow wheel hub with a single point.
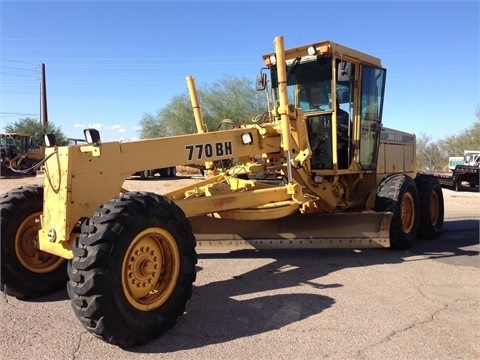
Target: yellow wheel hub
<point x="407" y="212"/>
<point x="27" y="251"/>
<point x="150" y="269"/>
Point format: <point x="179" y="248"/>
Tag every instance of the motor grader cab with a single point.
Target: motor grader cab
<point x="19" y="155"/>
<point x="317" y="170"/>
<point x="340" y="92"/>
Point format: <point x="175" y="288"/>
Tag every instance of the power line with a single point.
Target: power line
<point x="17" y="68"/>
<point x="19" y="75"/>
<point x="20" y="62"/>
<point x="13" y="114"/>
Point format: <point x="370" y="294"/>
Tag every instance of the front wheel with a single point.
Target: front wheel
<point x="398" y="194"/>
<point x="27" y="272"/>
<point x="133" y="269"/>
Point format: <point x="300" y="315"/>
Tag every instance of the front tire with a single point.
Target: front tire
<point x="133" y="269"/>
<point x="398" y="194"/>
<point x="27" y="272"/>
<point x="431" y="207"/>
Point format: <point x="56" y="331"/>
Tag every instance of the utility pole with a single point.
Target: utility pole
<point x="43" y="99"/>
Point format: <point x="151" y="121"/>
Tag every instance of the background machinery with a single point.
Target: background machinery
<point x="169" y="172"/>
<point x="316" y="170"/>
<point x="463" y="170"/>
<point x="19" y="155"/>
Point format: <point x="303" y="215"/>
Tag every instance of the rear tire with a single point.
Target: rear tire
<point x="398" y="194"/>
<point x="431" y="207"/>
<point x="133" y="269"/>
<point x="168" y="172"/>
<point x="26" y="271"/>
<point x="144" y="175"/>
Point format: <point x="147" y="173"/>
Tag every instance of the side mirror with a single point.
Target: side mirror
<point x="92" y="136"/>
<point x="49" y="140"/>
<point x="344" y="71"/>
<point x="261" y="82"/>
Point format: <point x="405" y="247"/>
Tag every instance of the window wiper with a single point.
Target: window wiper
<point x="294" y="65"/>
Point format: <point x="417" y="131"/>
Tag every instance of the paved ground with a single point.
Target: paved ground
<point x="335" y="304"/>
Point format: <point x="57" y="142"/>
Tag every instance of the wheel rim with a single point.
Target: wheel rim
<point x="408" y="212"/>
<point x="150" y="269"/>
<point x="27" y="251"/>
<point x="434" y="206"/>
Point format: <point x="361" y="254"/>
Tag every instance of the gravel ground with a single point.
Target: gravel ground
<point x="328" y="304"/>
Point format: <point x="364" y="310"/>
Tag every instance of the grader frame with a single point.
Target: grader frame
<point x="82" y="177"/>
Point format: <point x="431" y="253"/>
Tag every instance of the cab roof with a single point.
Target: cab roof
<point x="326" y="47"/>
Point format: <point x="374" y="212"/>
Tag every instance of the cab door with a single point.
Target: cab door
<point x="371" y="107"/>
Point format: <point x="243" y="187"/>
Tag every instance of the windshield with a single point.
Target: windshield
<point x="309" y="84"/>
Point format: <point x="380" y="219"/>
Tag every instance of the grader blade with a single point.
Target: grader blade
<point x="299" y="231"/>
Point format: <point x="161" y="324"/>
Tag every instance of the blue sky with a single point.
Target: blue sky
<point x="110" y="62"/>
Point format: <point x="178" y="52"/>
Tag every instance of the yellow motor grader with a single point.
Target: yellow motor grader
<point x="316" y="170"/>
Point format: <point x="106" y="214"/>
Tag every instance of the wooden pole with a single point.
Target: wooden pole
<point x="43" y="97"/>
